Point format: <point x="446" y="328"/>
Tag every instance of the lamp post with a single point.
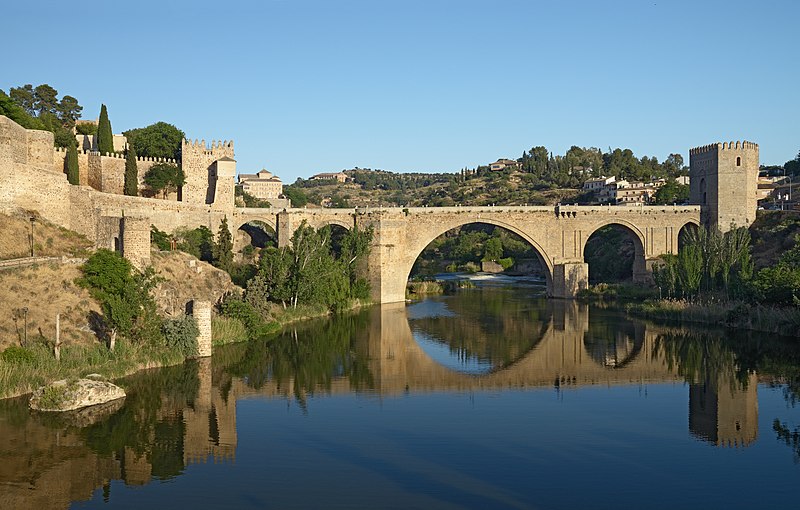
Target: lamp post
<point x="33" y="219"/>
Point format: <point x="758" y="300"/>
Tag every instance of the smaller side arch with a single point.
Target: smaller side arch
<point x="639" y="270"/>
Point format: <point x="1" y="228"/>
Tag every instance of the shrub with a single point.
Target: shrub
<point x="18" y="355"/>
<point x="181" y="334"/>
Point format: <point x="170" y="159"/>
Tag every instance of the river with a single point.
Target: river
<point x="493" y="397"/>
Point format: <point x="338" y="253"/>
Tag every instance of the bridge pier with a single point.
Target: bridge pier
<point x="569" y="278"/>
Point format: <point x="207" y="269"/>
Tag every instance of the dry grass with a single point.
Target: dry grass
<point x="187" y="278"/>
<point x="45" y="290"/>
<point x="49" y="240"/>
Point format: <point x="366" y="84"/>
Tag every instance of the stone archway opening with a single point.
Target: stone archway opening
<point x="251" y="238"/>
<point x="337" y="234"/>
<point x="614" y="254"/>
<point x="483" y="249"/>
<point x="686" y="233"/>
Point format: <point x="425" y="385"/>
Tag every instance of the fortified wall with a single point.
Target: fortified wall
<point x="32" y="177"/>
<point x="106" y="172"/>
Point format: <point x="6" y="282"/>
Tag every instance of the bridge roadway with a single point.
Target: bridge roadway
<point x="558" y="234"/>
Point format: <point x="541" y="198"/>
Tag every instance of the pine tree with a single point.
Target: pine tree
<point x="131" y="186"/>
<point x="223" y="247"/>
<point x="105" y="137"/>
<point x="71" y="162"/>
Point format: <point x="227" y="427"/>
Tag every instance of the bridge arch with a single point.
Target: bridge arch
<point x="639" y="270"/>
<point x="429" y="235"/>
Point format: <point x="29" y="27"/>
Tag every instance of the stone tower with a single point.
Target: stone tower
<point x="196" y="161"/>
<point x="724" y="180"/>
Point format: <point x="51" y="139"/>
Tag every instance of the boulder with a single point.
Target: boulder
<point x="68" y="395"/>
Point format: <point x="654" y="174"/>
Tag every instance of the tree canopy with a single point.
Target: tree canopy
<point x="39" y="108"/>
<point x="105" y="136"/>
<point x="165" y="178"/>
<point x="159" y="140"/>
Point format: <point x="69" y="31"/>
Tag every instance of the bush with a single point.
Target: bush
<point x="181" y="334"/>
<point x="159" y="238"/>
<point x="18" y="355"/>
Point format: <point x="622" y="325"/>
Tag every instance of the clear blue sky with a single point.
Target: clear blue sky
<point x="306" y="86"/>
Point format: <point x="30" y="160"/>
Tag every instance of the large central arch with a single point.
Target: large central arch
<point x="415" y="250"/>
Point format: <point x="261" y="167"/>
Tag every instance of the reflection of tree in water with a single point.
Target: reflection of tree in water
<point x="703" y="356"/>
<point x="488" y="325"/>
<point x="310" y="357"/>
<point x="151" y="422"/>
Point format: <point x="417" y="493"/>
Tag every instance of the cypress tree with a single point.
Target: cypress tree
<point x="105" y="138"/>
<point x="222" y="250"/>
<point x="71" y="162"/>
<point x="131" y="186"/>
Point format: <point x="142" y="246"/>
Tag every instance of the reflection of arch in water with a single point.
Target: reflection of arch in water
<point x="422" y="243"/>
<point x="616" y="345"/>
<point x="400" y="364"/>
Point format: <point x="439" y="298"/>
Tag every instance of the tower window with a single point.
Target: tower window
<point x="738" y="161"/>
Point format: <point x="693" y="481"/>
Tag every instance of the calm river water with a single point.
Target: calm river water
<point x="490" y="398"/>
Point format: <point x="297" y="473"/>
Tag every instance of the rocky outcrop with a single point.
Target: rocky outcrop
<point x="68" y="395"/>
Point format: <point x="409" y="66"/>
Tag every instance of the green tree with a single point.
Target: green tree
<point x="493" y="250"/>
<point x="68" y="110"/>
<point x="71" y="164"/>
<point x="11" y="109"/>
<point x="297" y="196"/>
<point x="223" y="247"/>
<point x="105" y="137"/>
<point x="45" y="99"/>
<point x="164" y="178"/>
<point x="159" y="140"/>
<point x="124" y="295"/>
<point x="671" y="193"/>
<point x="131" y="185"/>
<point x="23" y="96"/>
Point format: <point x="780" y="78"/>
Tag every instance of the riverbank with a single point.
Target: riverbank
<point x="783" y="321"/>
<point x="22" y="370"/>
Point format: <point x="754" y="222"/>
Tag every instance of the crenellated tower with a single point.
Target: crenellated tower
<point x="197" y="160"/>
<point x="724" y="180"/>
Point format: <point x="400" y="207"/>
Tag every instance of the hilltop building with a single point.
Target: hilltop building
<point x="502" y="164"/>
<point x="337" y="176"/>
<point x="263" y="185"/>
<point x="622" y="192"/>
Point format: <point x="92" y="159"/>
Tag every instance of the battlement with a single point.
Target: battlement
<point x="723" y="146"/>
<point x="222" y="146"/>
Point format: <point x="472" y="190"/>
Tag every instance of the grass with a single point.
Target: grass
<point x="21" y="374"/>
<point x="613" y="291"/>
<point x="737" y="315"/>
<point x="226" y="330"/>
<point x="422" y="288"/>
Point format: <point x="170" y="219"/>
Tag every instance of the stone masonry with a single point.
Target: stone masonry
<point x="30" y="179"/>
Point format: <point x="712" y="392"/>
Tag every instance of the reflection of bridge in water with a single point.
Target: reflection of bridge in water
<point x="61" y="468"/>
<point x="723" y="412"/>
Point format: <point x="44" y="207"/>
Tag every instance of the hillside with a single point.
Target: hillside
<point x="506" y="187"/>
<point x="33" y="295"/>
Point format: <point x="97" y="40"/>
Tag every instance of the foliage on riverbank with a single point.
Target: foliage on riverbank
<point x="424" y="288"/>
<point x="616" y="291"/>
<point x="23" y="369"/>
<point x="732" y="314"/>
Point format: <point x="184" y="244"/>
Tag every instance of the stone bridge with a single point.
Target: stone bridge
<point x="558" y="235"/>
<point x="32" y="178"/>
